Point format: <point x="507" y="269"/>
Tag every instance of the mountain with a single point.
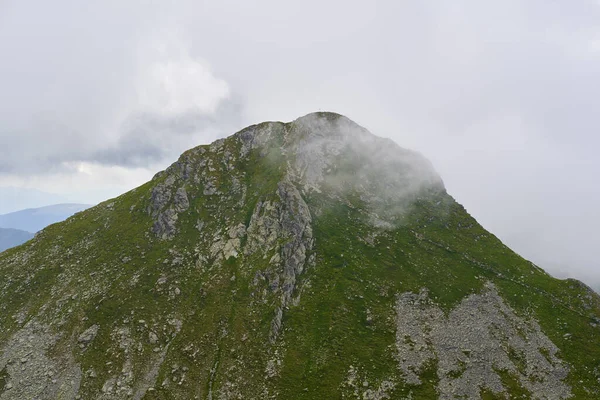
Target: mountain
<point x="35" y="219"/>
<point x="14" y="198"/>
<point x="301" y="260"/>
<point x="16" y="227"/>
<point x="13" y="237"/>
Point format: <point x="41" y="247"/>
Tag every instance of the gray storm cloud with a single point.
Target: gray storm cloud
<point x="500" y="96"/>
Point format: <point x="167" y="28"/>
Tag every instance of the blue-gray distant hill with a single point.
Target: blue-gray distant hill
<point x="15" y="198"/>
<point x="35" y="219"/>
<point x="13" y="237"/>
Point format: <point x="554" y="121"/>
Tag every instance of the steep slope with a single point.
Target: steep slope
<point x="307" y="260"/>
<point x="13" y="237"/>
<point x="35" y="219"/>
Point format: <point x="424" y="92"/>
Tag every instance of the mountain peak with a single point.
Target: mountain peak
<point x="323" y="123"/>
<point x="329" y="116"/>
<point x="320" y="152"/>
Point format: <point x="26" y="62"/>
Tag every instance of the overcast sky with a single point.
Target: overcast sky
<point x="500" y="95"/>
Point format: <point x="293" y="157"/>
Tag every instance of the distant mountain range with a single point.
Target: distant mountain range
<point x="19" y="226"/>
<point x="35" y="219"/>
<point x="13" y="237"/>
<point x="15" y="199"/>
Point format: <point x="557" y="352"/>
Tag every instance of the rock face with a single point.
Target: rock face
<point x="302" y="260"/>
<point x="474" y="344"/>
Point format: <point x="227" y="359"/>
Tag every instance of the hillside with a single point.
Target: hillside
<point x="35" y="219"/>
<point x="301" y="260"/>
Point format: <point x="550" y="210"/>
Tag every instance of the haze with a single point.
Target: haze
<point x="500" y="96"/>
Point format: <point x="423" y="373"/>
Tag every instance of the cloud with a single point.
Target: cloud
<point x="173" y="82"/>
<point x="129" y="95"/>
<point x="149" y="138"/>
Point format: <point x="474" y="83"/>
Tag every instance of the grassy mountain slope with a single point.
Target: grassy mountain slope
<point x="308" y="260"/>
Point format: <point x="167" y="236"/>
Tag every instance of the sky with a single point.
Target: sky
<point x="501" y="97"/>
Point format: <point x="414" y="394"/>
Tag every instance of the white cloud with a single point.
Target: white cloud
<point x="172" y="82"/>
<point x="79" y="182"/>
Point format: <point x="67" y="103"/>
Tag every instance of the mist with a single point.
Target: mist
<point x="499" y="97"/>
<point x="338" y="156"/>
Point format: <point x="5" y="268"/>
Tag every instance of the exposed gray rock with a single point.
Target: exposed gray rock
<point x="210" y="188"/>
<point x="149" y="379"/>
<point x="32" y="372"/>
<point x="233" y="243"/>
<point x="280" y="230"/>
<point x="479" y="338"/>
<point x="263" y="229"/>
<point x="296" y="226"/>
<point x="181" y="202"/>
<point x="161" y="195"/>
<point x="164" y="226"/>
<point x="165" y="208"/>
<point x="276" y="323"/>
<point x="152" y="338"/>
<point x="258" y="136"/>
<point x="283" y="230"/>
<point x="88" y="335"/>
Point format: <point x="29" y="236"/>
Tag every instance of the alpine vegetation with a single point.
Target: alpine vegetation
<point x="301" y="260"/>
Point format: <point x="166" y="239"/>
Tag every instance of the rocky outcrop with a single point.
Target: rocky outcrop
<point x="283" y="230"/>
<point x="33" y="373"/>
<point x="88" y="335"/>
<point x="165" y="207"/>
<point x="295" y="220"/>
<point x="296" y="227"/>
<point x="471" y="347"/>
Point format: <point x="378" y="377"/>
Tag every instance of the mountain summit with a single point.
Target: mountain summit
<point x="301" y="260"/>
